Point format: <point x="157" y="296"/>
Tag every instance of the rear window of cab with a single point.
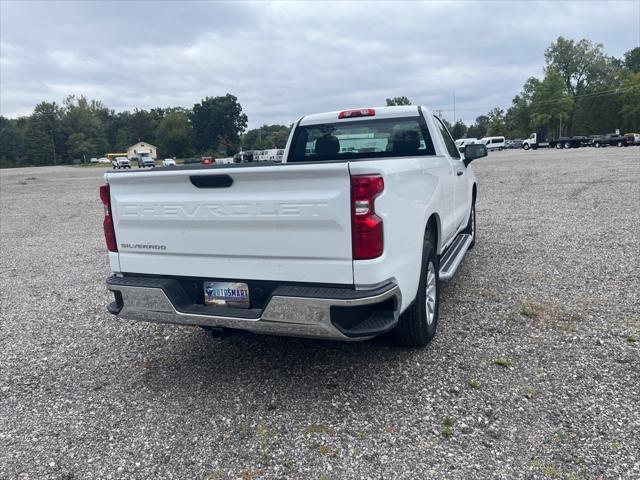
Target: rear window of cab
<point x="371" y="138"/>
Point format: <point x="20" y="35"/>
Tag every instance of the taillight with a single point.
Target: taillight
<point x="109" y="231"/>
<point x="361" y="112"/>
<point x="366" y="227"/>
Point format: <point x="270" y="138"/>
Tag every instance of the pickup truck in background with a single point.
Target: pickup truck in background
<point x="611" y="139"/>
<point x="539" y="140"/>
<point x="347" y="239"/>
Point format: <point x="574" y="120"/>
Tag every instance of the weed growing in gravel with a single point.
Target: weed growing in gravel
<point x="491" y="295"/>
<point x="560" y="437"/>
<point x="328" y="450"/>
<point x="529" y="392"/>
<point x="504" y="362"/>
<point x="319" y="428"/>
<point x="262" y="442"/>
<point x="447" y="427"/>
<point x="214" y="476"/>
<point x="473" y="383"/>
<point x="550" y="471"/>
<point x="288" y="464"/>
<point x="531" y="310"/>
<point x="631" y="339"/>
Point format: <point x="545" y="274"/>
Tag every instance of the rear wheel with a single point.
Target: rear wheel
<point x="418" y="323"/>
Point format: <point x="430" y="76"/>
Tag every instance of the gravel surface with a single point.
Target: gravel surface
<point x="534" y="372"/>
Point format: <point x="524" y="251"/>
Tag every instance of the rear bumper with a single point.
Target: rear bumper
<point x="301" y="311"/>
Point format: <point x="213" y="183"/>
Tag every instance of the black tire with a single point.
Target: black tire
<point x="471" y="226"/>
<point x="413" y="328"/>
<point x="525" y="146"/>
<point x="597" y="144"/>
<point x="619" y="144"/>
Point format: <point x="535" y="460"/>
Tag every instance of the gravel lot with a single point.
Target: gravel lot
<point x="534" y="373"/>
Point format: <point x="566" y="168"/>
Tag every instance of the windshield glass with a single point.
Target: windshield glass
<point x="389" y="137"/>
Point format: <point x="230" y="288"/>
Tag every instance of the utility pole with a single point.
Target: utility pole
<point x="53" y="146"/>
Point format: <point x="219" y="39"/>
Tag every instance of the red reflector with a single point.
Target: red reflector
<point x="109" y="230"/>
<point x="361" y="112"/>
<point x="367" y="234"/>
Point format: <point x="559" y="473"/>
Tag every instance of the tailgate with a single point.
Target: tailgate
<point x="283" y="222"/>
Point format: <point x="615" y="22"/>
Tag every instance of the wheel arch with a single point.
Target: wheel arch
<point x="433" y="228"/>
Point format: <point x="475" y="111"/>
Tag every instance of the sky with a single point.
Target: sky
<point x="287" y="59"/>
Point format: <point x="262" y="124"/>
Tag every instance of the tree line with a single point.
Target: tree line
<point x="583" y="91"/>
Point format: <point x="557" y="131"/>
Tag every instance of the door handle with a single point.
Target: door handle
<point x="460" y="172"/>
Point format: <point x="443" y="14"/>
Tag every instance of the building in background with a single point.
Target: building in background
<point x="142" y="149"/>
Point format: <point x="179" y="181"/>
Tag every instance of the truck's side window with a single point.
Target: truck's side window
<point x="448" y="141"/>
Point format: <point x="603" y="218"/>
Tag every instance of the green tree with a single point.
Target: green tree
<point x="175" y="135"/>
<point x="38" y="147"/>
<point x="217" y="122"/>
<point x="459" y="130"/>
<point x="551" y="105"/>
<point x="630" y="112"/>
<point x="85" y="132"/>
<point x="632" y="60"/>
<point x="267" y="136"/>
<point x="142" y="126"/>
<point x="479" y="127"/>
<point x="497" y="124"/>
<point x="11" y="142"/>
<point x="395" y="101"/>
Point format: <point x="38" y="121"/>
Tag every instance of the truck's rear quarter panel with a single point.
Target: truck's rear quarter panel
<point x="283" y="223"/>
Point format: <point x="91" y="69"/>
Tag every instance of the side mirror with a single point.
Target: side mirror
<point x="473" y="151"/>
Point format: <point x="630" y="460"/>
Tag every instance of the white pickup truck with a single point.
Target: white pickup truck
<point x="345" y="240"/>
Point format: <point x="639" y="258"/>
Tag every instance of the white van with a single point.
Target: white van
<point x="463" y="142"/>
<point x="494" y="143"/>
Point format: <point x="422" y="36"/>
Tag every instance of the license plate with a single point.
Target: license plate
<point x="229" y="294"/>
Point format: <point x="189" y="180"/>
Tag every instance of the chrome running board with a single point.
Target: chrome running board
<point x="450" y="261"/>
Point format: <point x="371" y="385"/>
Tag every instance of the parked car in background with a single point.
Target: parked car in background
<point x="243" y="157"/>
<point x="93" y="160"/>
<point x="511" y="144"/>
<point x="207" y="160"/>
<point x="144" y="162"/>
<point x="493" y="143"/>
<point x="611" y="139"/>
<point x="103" y="160"/>
<point x="192" y="160"/>
<point x="168" y="162"/>
<point x="121" y="162"/>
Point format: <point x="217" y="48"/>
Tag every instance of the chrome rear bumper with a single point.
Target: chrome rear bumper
<point x="315" y="312"/>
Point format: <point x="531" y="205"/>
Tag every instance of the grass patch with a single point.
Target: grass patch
<point x="473" y="383"/>
<point x="504" y="362"/>
<point x="531" y="310"/>
<point x="551" y="471"/>
<point x="327" y="450"/>
<point x="491" y="295"/>
<point x="631" y="339"/>
<point x="529" y="392"/>
<point x="550" y="315"/>
<point x="262" y="442"/>
<point x="320" y="428"/>
<point x="560" y="437"/>
<point x="447" y="427"/>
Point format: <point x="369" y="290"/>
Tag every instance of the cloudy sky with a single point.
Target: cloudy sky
<point x="286" y="59"/>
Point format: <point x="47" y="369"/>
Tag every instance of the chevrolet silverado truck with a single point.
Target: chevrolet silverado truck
<point x="346" y="239"/>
